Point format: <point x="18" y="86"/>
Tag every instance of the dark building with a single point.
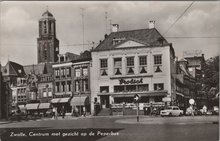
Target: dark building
<point x="185" y="84"/>
<point x="48" y="44"/>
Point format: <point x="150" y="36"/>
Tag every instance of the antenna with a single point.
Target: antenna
<point x="82" y="14"/>
<point x="110" y="23"/>
<point x="8" y="58"/>
<point x="47" y="7"/>
<point x="106" y="20"/>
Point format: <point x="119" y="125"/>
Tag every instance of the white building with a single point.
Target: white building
<point x="132" y="62"/>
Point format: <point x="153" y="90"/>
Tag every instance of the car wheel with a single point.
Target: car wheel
<point x="181" y="114"/>
<point x="162" y="116"/>
<point x="170" y="114"/>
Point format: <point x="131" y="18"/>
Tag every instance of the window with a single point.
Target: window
<point x="117" y="66"/>
<point x="44" y="94"/>
<point x="77" y="72"/>
<point x="68" y="86"/>
<point x="68" y="72"/>
<point x="85" y="85"/>
<point x="144" y="87"/>
<point x="62" y="86"/>
<point x="157" y="63"/>
<point x="85" y="71"/>
<point x="143" y="64"/>
<point x="119" y="89"/>
<point x="130" y="65"/>
<point x="158" y="86"/>
<point x="57" y="73"/>
<point x="57" y="87"/>
<point x="77" y="87"/>
<point x="157" y="59"/>
<point x="130" y="88"/>
<point x="104" y="89"/>
<point x="104" y="67"/>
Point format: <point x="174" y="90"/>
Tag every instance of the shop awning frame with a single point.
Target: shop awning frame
<point x="80" y="101"/>
<point x="44" y="106"/>
<point x="32" y="106"/>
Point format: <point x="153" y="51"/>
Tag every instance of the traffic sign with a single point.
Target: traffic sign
<point x="136" y="98"/>
<point x="191" y="101"/>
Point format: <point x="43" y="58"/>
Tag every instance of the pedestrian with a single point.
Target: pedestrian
<point x="63" y="111"/>
<point x="56" y="113"/>
<point x="53" y="112"/>
<point x="204" y="109"/>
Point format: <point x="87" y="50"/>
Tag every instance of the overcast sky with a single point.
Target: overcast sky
<point x="19" y="25"/>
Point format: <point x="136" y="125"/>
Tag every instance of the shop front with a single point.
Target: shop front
<point x="62" y="102"/>
<point x="80" y="105"/>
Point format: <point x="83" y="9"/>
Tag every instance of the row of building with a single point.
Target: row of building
<point x="125" y="63"/>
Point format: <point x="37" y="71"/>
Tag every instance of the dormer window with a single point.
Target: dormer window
<point x="117" y="40"/>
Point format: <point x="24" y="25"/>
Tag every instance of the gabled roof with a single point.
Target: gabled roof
<point x="35" y="68"/>
<point x="150" y="37"/>
<point x="85" y="56"/>
<point x="72" y="56"/>
<point x="13" y="69"/>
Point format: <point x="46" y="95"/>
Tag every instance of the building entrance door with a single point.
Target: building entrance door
<point x="105" y="101"/>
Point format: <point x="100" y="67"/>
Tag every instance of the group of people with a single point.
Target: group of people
<point x="55" y="112"/>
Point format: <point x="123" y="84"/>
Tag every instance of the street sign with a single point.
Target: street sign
<point x="191" y="101"/>
<point x="136" y="98"/>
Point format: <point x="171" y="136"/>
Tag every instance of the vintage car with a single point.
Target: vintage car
<point x="171" y="111"/>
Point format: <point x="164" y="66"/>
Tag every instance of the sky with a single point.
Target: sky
<point x="19" y="25"/>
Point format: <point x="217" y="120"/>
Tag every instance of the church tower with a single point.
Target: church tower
<point x="47" y="43"/>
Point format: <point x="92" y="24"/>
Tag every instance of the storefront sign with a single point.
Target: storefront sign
<point x="131" y="81"/>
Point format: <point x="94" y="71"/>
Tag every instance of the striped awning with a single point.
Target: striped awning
<point x="55" y="100"/>
<point x="80" y="101"/>
<point x="44" y="106"/>
<point x="64" y="100"/>
<point x="32" y="106"/>
<point x="60" y="100"/>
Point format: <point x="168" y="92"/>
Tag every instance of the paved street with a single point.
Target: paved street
<point x="198" y="128"/>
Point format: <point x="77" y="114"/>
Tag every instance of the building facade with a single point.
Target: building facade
<point x="132" y="62"/>
<point x="185" y="85"/>
<point x="63" y="82"/>
<point x="81" y="81"/>
<point x="47" y="43"/>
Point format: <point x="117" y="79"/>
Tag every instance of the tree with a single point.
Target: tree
<point x="211" y="78"/>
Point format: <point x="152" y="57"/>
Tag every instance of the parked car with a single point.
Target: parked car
<point x="171" y="111"/>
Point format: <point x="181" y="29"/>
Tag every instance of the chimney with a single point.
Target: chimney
<point x="115" y="27"/>
<point x="151" y="24"/>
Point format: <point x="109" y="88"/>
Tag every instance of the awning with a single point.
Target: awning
<point x="142" y="94"/>
<point x="44" y="106"/>
<point x="64" y="100"/>
<point x="80" y="101"/>
<point x="55" y="100"/>
<point x="32" y="106"/>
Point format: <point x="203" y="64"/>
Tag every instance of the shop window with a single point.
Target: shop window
<point x="157" y="63"/>
<point x="143" y="64"/>
<point x="158" y="86"/>
<point x="117" y="66"/>
<point x="158" y="99"/>
<point x="104" y="89"/>
<point x="130" y="65"/>
<point x="131" y="88"/>
<point x="119" y="89"/>
<point x="104" y="67"/>
<point x="144" y="87"/>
